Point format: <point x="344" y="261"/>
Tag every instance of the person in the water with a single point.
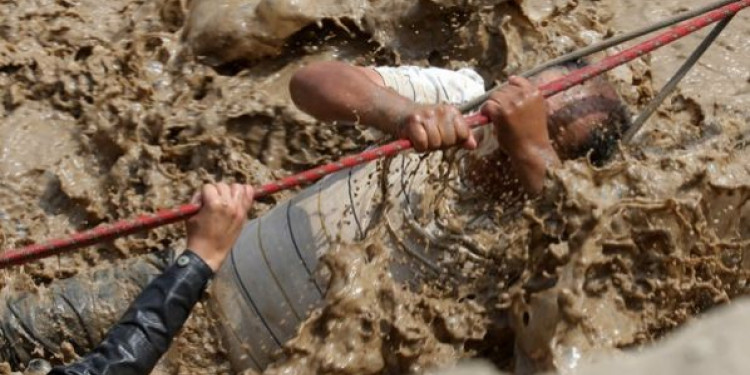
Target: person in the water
<point x="418" y="104"/>
<point x="269" y="282"/>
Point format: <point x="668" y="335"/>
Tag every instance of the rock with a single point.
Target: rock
<point x="713" y="344"/>
<point x="38" y="367"/>
<point x="228" y="30"/>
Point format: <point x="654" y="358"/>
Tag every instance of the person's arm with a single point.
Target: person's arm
<point x="336" y="91"/>
<point x="137" y="342"/>
<point x="144" y="333"/>
<point x="519" y="113"/>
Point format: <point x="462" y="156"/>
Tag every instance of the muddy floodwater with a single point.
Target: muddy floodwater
<point x="113" y="108"/>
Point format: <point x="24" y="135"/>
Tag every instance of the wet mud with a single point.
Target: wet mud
<point x="114" y="108"/>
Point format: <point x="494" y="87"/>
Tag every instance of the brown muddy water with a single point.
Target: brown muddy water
<point x="119" y="107"/>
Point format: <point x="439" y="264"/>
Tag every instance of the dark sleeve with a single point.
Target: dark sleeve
<point x="135" y="344"/>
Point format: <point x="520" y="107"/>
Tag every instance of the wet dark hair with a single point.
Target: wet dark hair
<point x="601" y="143"/>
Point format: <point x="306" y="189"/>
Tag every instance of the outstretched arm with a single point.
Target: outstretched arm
<point x="135" y="344"/>
<point x="336" y="91"/>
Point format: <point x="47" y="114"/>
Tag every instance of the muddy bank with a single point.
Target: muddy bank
<point x="111" y="109"/>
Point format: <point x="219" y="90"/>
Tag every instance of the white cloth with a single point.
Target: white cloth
<point x="433" y="85"/>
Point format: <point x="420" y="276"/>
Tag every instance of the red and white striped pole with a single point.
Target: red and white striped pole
<point x="168" y="216"/>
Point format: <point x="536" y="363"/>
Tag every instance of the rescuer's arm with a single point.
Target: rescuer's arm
<point x="135" y="344"/>
<point x="519" y="114"/>
<point x="336" y="91"/>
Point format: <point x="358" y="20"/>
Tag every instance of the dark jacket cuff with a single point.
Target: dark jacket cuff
<point x="196" y="263"/>
<point x="135" y="344"/>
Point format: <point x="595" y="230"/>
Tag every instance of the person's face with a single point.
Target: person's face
<point x="576" y="112"/>
<point x="572" y="116"/>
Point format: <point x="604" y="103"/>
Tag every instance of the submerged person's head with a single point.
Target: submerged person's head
<point x="585" y="120"/>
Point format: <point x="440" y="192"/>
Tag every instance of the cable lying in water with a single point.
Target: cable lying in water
<point x="161" y="218"/>
<point x="674" y="81"/>
<point x="601" y="46"/>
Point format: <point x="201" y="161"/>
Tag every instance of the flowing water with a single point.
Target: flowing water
<point x="114" y="108"/>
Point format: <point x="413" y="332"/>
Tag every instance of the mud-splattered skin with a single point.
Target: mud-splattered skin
<point x="126" y="120"/>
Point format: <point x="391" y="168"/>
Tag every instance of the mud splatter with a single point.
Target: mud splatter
<point x="114" y="108"/>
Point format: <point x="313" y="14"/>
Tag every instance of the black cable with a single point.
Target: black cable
<point x="670" y="86"/>
<point x="597" y="47"/>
